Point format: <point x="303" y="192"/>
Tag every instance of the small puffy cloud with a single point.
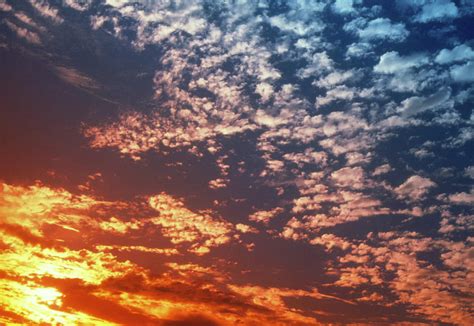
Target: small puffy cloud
<point x="383" y="28"/>
<point x="218" y="183"/>
<point x="265" y="90"/>
<point x="339" y="122"/>
<point x="4" y="6"/>
<point x="297" y="26"/>
<point x="265" y="216"/>
<point x="341" y="92"/>
<point x="344" y="6"/>
<point x="361" y="49"/>
<point x="463" y="73"/>
<point x="415" y="187"/>
<point x="331" y="241"/>
<point x="47" y="11"/>
<point x="417" y="104"/>
<point x="309" y="156"/>
<point x="349" y="177"/>
<point x="244" y="228"/>
<point x="437" y="10"/>
<point x="334" y="78"/>
<point x="24" y="33"/>
<point x="462" y="198"/>
<point x="382" y="169"/>
<point x="459" y="53"/>
<point x="182" y="225"/>
<point x="414" y="80"/>
<point x="391" y="62"/>
<point x="79" y="5"/>
<point x="470" y="171"/>
<point x="319" y="63"/>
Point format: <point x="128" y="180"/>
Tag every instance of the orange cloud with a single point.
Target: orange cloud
<point x="51" y="279"/>
<point x="182" y="225"/>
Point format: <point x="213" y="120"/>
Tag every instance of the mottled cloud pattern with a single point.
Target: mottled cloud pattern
<point x="237" y="162"/>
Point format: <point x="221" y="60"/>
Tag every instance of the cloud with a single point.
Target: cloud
<point x="382" y="169"/>
<point x="4" y="6"/>
<point x="396" y="254"/>
<point x="361" y="49"/>
<point x="462" y="198"/>
<point x="52" y="281"/>
<point x="338" y="93"/>
<point x="265" y="216"/>
<point x="463" y="73"/>
<point x="344" y="6"/>
<point x="459" y="53"/>
<point x="437" y="10"/>
<point x="349" y="177"/>
<point x="47" y="11"/>
<point x="76" y="78"/>
<point x="334" y="78"/>
<point x="331" y="241"/>
<point x="383" y="28"/>
<point x="274" y="298"/>
<point x="309" y="156"/>
<point x="218" y="183"/>
<point x="24" y="33"/>
<point x="392" y="62"/>
<point x="264" y="89"/>
<point x="414" y="188"/>
<point x="79" y="5"/>
<point x="181" y="225"/>
<point x="415" y="105"/>
<point x="318" y="63"/>
<point x="160" y="251"/>
<point x="298" y="27"/>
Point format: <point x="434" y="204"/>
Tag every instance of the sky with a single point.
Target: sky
<point x="236" y="162"/>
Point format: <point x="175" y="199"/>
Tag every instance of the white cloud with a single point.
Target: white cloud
<point x="334" y="78"/>
<point x="437" y="10"/>
<point x="344" y="6"/>
<point x="319" y="63"/>
<point x="264" y="119"/>
<point x="341" y="92"/>
<point x="361" y="49"/>
<point x="416" y="104"/>
<point x="411" y="80"/>
<point x="459" y="53"/>
<point x="295" y="26"/>
<point x="383" y="28"/>
<point x="470" y="171"/>
<point x="463" y="73"/>
<point x="392" y="62"/>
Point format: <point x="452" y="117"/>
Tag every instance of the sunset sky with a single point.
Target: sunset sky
<point x="236" y="162"/>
